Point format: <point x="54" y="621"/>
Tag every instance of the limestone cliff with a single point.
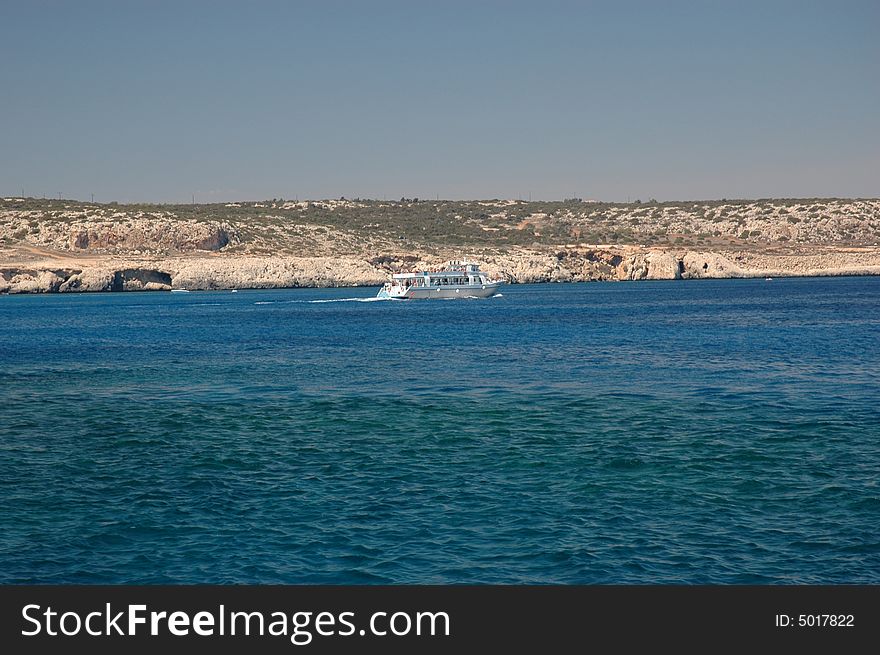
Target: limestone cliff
<point x="58" y="246"/>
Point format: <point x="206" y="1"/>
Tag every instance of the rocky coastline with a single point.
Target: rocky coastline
<point x="59" y="249"/>
<point x="242" y="272"/>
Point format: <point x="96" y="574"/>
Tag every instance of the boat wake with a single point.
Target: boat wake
<point x="497" y="295"/>
<point x="370" y="299"/>
<point x="325" y="300"/>
<point x="350" y="300"/>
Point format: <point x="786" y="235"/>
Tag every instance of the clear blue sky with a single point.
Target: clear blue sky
<point x="155" y="101"/>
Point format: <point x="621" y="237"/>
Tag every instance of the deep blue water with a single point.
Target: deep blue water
<point x="654" y="432"/>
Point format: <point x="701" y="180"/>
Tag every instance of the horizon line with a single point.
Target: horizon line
<point x="414" y="199"/>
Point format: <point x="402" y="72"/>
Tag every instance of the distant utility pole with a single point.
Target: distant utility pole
<point x="530" y="196"/>
<point x="59" y="195"/>
<point x="22" y="192"/>
<point x="194" y="198"/>
<point x="93" y="197"/>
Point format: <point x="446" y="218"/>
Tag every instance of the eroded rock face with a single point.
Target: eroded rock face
<point x="663" y="266"/>
<point x="649" y="266"/>
<point x="90" y="279"/>
<point x="573" y="265"/>
<point x="32" y="281"/>
<point x="272" y="272"/>
<point x="41" y="282"/>
<point x="140" y="279"/>
<point x="708" y="264"/>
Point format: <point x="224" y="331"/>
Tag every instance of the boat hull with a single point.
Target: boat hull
<point x="450" y="291"/>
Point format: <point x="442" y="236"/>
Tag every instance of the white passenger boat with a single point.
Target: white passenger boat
<point x="457" y="280"/>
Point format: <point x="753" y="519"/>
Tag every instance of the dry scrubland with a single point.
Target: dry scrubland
<point x="57" y="245"/>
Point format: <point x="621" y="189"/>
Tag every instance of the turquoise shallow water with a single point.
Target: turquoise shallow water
<point x="694" y="432"/>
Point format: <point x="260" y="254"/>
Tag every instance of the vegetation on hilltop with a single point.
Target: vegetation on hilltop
<point x="339" y="226"/>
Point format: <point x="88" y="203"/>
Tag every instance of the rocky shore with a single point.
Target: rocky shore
<point x="53" y="247"/>
<point x="50" y="275"/>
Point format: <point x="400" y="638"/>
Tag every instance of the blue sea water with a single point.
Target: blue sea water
<point x="656" y="432"/>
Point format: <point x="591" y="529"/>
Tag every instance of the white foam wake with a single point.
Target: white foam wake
<point x="374" y="299"/>
<point x="285" y="302"/>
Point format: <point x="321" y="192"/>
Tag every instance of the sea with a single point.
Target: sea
<point x="693" y="432"/>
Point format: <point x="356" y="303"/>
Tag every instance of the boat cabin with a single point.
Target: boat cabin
<point x="457" y="274"/>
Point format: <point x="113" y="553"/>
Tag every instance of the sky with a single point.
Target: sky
<point x="160" y="101"/>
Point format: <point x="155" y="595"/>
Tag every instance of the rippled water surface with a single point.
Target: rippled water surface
<point x="696" y="432"/>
